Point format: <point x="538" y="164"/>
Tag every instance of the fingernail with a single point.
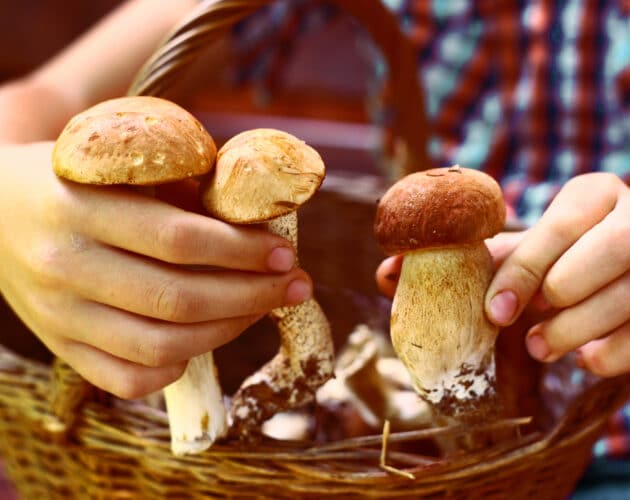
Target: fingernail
<point x="281" y="259"/>
<point x="298" y="291"/>
<point x="503" y="307"/>
<point x="537" y="346"/>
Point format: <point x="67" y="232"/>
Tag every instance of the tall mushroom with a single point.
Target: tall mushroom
<point x="263" y="176"/>
<point x="141" y="142"/>
<point x="439" y="219"/>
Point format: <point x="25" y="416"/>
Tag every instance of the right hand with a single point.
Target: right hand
<point x="98" y="274"/>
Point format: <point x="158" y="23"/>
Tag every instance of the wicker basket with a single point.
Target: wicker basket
<point x="62" y="440"/>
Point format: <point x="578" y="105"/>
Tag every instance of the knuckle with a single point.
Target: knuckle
<point x="271" y="296"/>
<point x="585" y="181"/>
<point x="128" y="386"/>
<point x="171" y="301"/>
<point x="51" y="315"/>
<point x="48" y="264"/>
<point x="61" y="208"/>
<point x="569" y="226"/>
<point x="175" y="239"/>
<point x="554" y="291"/>
<point x="140" y="381"/>
<point x="529" y="274"/>
<point x="156" y="353"/>
<point x="262" y="301"/>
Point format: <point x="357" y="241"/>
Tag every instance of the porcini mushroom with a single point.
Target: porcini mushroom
<point x="263" y="176"/>
<point x="144" y="141"/>
<point x="439" y="220"/>
<point x="139" y="141"/>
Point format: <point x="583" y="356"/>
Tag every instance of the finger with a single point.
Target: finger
<point x="607" y="357"/>
<point x="144" y="341"/>
<point x="573" y="212"/>
<point x="174" y="294"/>
<point x="503" y="244"/>
<point x="128" y="220"/>
<point x="119" y="377"/>
<point x="387" y="275"/>
<point x="592" y="318"/>
<point x="607" y="244"/>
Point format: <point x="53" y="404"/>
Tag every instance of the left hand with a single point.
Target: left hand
<point x="574" y="267"/>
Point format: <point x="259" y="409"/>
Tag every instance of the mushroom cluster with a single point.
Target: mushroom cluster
<point x="438" y="219"/>
<point x="261" y="176"/>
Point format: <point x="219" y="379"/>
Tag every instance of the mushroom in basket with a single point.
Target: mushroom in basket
<point x="262" y="176"/>
<point x="439" y="219"/>
<point x="144" y="141"/>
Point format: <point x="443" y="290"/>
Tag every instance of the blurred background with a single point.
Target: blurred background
<point x="317" y="97"/>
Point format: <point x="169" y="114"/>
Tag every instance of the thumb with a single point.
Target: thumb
<point x="573" y="212"/>
<point x="502" y="303"/>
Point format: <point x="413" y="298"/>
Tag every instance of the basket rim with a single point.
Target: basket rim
<point x="144" y="431"/>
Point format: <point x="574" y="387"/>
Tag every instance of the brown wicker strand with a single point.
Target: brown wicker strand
<point x="204" y="24"/>
<point x="69" y="390"/>
<point x="114" y="457"/>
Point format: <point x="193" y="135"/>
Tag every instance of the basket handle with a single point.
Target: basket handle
<point x="213" y="18"/>
<point x="185" y="43"/>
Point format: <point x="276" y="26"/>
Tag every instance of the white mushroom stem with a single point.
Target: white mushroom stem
<point x="440" y="331"/>
<point x="303" y="363"/>
<point x="197" y="416"/>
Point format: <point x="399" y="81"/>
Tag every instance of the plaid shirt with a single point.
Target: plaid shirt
<point x="533" y="92"/>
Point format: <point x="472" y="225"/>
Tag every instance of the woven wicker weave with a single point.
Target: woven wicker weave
<point x="60" y="441"/>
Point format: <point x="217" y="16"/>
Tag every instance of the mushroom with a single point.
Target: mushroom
<point x="263" y="176"/>
<point x="143" y="141"/>
<point x="439" y="219"/>
<point x="376" y="383"/>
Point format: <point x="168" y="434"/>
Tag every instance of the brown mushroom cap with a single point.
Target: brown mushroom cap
<point x="136" y="140"/>
<point x="262" y="174"/>
<point x="439" y="207"/>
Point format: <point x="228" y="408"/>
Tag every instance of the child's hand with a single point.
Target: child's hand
<point x="578" y="258"/>
<point x="572" y="273"/>
<point x="96" y="273"/>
